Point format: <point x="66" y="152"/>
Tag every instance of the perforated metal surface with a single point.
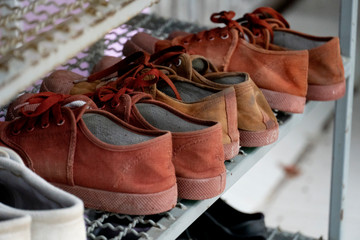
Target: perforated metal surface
<point x="37" y="36"/>
<point x="277" y="234"/>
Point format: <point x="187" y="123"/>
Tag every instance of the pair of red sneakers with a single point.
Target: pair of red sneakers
<point x="289" y="67"/>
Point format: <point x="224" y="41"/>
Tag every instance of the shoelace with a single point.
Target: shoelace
<point x="110" y="95"/>
<point x="221" y="17"/>
<point x="262" y="21"/>
<point x="46" y="104"/>
<point x="135" y="71"/>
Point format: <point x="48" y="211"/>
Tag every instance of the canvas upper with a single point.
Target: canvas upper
<point x="281" y="75"/>
<point x="91" y="153"/>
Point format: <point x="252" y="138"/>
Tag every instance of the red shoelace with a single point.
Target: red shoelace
<point x="258" y="24"/>
<point x="138" y="71"/>
<point x="225" y="18"/>
<point x="263" y="19"/>
<point x="41" y="106"/>
<point x="111" y="97"/>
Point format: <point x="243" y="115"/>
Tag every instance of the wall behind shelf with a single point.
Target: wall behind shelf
<point x="199" y="11"/>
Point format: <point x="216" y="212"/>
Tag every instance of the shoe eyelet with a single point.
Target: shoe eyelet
<point x="211" y="38"/>
<point x="62" y="121"/>
<point x="257" y="34"/>
<point x="225" y="36"/>
<point x="178" y="63"/>
<point x="15" y="132"/>
<point x="169" y="65"/>
<point x="185" y="42"/>
<point x="199" y="40"/>
<point x="102" y="107"/>
<point x="113" y="106"/>
<point x="46" y="125"/>
<point x="30" y="129"/>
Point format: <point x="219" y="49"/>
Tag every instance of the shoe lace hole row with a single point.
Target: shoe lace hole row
<point x="114" y="105"/>
<point x="30" y="129"/>
<point x="15" y="132"/>
<point x="61" y="122"/>
<point x="178" y="63"/>
<point x="225" y="36"/>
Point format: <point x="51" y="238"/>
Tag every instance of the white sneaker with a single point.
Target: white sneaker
<point x="55" y="214"/>
<point x="13" y="226"/>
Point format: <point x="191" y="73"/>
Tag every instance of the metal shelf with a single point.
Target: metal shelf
<point x="39" y="50"/>
<point x="29" y="60"/>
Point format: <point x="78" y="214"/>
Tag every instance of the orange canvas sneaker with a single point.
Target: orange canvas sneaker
<point x="326" y="79"/>
<point x="281" y="75"/>
<point x="257" y="123"/>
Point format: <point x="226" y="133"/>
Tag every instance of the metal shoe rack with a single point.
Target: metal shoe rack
<point x="38" y="36"/>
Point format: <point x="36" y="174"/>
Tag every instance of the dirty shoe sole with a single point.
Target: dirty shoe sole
<point x="198" y="189"/>
<point x="125" y="203"/>
<point x="326" y="93"/>
<point x="284" y="102"/>
<point x="258" y="139"/>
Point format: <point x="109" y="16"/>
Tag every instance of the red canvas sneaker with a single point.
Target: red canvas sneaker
<point x="326" y="77"/>
<point x="198" y="154"/>
<point x="281" y="75"/>
<point x="94" y="155"/>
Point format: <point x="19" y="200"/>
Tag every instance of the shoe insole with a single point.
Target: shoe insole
<point x="188" y="92"/>
<point x="110" y="132"/>
<point x="165" y="120"/>
<point x="295" y="42"/>
<point x="228" y="80"/>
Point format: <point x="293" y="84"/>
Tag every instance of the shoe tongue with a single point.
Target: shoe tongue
<point x="123" y="110"/>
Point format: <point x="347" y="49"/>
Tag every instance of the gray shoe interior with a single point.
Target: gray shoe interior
<point x="110" y="132"/>
<point x="189" y="92"/>
<point x="5" y="218"/>
<point x="229" y="80"/>
<point x="165" y="120"/>
<point x="18" y="193"/>
<point x="295" y="42"/>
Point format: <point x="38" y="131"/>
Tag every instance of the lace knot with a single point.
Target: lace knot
<point x="226" y="18"/>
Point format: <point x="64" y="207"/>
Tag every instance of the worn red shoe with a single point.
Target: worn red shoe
<point x="198" y="154"/>
<point x="326" y="79"/>
<point x="281" y="75"/>
<point x="94" y="155"/>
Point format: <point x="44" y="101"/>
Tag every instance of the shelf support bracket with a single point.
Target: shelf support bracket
<point x="342" y="126"/>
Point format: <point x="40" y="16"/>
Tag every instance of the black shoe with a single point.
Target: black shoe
<point x="222" y="222"/>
